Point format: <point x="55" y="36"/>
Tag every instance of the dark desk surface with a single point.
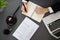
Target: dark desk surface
<point x="41" y="33"/>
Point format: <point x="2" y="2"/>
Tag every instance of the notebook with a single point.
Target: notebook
<point x="31" y="12"/>
<point x="26" y="29"/>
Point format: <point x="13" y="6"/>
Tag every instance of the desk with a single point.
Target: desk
<point x="41" y="33"/>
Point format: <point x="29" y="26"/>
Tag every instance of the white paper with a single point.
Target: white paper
<point x="31" y="12"/>
<point x="25" y="30"/>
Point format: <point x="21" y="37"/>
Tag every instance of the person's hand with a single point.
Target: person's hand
<point x="40" y="10"/>
<point x="24" y="7"/>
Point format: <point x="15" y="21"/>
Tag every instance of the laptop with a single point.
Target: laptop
<point x="52" y="23"/>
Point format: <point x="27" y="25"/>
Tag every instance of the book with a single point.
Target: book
<point x="31" y="12"/>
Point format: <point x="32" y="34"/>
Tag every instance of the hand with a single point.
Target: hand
<point x="24" y="7"/>
<point x="41" y="10"/>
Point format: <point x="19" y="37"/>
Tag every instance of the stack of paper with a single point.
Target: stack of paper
<point x="31" y="12"/>
<point x="25" y="30"/>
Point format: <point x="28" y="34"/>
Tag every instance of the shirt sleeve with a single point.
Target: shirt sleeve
<point x="24" y="1"/>
<point x="50" y="10"/>
<point x="56" y="7"/>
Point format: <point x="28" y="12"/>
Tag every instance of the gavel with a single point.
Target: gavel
<point x="11" y="20"/>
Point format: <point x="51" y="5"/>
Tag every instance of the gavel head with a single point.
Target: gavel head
<point x="7" y="31"/>
<point x="11" y="20"/>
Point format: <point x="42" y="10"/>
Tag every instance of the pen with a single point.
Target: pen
<point x="24" y="7"/>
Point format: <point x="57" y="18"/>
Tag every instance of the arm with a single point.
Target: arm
<point x="54" y="8"/>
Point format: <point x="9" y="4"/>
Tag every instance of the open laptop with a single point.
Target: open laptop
<point x="52" y="23"/>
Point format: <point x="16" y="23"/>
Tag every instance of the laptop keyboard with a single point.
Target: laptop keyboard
<point x="54" y="25"/>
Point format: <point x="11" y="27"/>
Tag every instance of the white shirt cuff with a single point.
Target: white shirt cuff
<point x="50" y="10"/>
<point x="24" y="1"/>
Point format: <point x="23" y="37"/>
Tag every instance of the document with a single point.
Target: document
<point x="26" y="29"/>
<point x="31" y="12"/>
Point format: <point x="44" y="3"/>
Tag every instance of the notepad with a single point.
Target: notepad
<point x="31" y="12"/>
<point x="26" y="29"/>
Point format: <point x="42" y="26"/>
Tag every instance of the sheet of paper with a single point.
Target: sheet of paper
<point x="25" y="30"/>
<point x="31" y="12"/>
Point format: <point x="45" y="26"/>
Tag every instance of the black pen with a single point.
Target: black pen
<point x="24" y="7"/>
